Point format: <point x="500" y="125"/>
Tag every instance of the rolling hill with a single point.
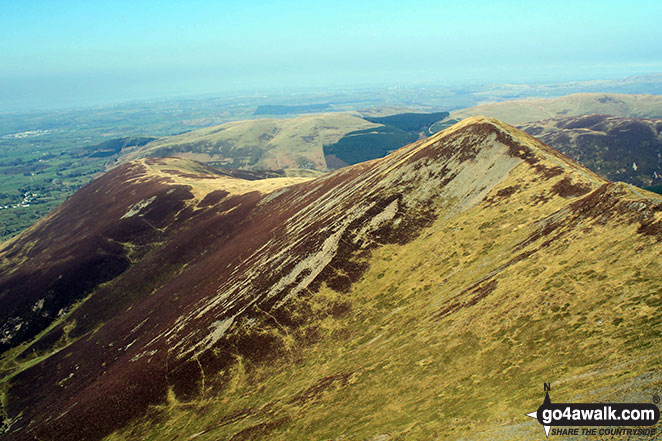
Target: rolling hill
<point x="426" y="294"/>
<point x="258" y="144"/>
<point x="314" y="142"/>
<point x="518" y="112"/>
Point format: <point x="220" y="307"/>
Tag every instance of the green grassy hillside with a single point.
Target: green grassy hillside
<point x="259" y="144"/>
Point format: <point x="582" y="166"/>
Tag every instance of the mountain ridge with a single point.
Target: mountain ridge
<point x="254" y="288"/>
<point x="524" y="111"/>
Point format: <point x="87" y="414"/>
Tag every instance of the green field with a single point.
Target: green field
<point x="36" y="179"/>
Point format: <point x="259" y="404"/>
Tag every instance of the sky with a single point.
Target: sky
<point x="64" y="52"/>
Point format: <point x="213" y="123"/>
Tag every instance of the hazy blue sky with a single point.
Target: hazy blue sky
<point x="61" y="51"/>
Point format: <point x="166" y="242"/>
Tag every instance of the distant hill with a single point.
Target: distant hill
<point x="258" y="144"/>
<point x="116" y="145"/>
<point x="424" y="295"/>
<point x="524" y="111"/>
<point x="620" y="149"/>
<point x="313" y="142"/>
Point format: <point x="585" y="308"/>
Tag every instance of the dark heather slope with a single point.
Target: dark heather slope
<point x="620" y="149"/>
<point x="83" y="243"/>
<point x="93" y="237"/>
<point x="221" y="283"/>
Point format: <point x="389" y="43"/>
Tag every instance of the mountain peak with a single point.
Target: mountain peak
<point x="479" y="137"/>
<point x="408" y="267"/>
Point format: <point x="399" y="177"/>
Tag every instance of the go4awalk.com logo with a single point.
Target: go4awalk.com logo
<point x="627" y="419"/>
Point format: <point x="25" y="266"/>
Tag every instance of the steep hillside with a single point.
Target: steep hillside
<point x="524" y="111"/>
<point x="100" y="232"/>
<point x="621" y="149"/>
<point x="424" y="295"/>
<point x="259" y="144"/>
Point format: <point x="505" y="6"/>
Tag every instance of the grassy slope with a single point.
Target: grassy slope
<point x="201" y="179"/>
<point x="579" y="313"/>
<point x="522" y="111"/>
<point x="264" y="143"/>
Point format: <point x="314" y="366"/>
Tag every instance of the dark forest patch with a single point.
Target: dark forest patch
<point x="364" y="145"/>
<point x="410" y="122"/>
<point x="397" y="131"/>
<point x="116" y="145"/>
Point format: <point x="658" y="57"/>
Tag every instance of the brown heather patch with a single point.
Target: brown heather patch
<point x="598" y="203"/>
<point x="549" y="172"/>
<point x="213" y="198"/>
<point x="565" y="188"/>
<point x="502" y="195"/>
<point x="648" y="226"/>
<point x="73" y="255"/>
<point x="314" y="392"/>
<point x="598" y="207"/>
<point x="527" y="155"/>
<point x="593" y="205"/>
<point x="651" y="229"/>
<point x="259" y="430"/>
